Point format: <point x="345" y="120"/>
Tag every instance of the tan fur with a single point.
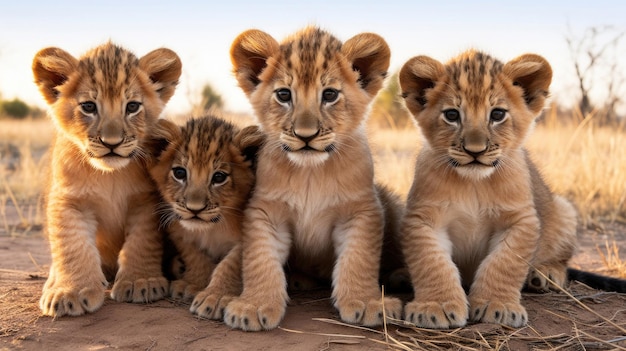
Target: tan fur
<point x="100" y="201"/>
<point x="478" y="211"/>
<point x="205" y="176"/>
<point x="315" y="201"/>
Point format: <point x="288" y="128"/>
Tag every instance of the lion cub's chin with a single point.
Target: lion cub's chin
<point x="307" y="158"/>
<point x="197" y="225"/>
<point x="109" y="163"/>
<point x="474" y="172"/>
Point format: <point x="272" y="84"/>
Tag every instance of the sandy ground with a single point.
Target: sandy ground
<point x="555" y="320"/>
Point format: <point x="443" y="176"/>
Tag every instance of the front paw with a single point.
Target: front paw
<point x="139" y="290"/>
<point x="209" y="304"/>
<point x="510" y="313"/>
<point x="183" y="290"/>
<point x="369" y="313"/>
<point x="437" y="314"/>
<point x="538" y="282"/>
<point x="252" y="315"/>
<point x="72" y="298"/>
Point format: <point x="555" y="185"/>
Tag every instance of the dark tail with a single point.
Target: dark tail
<point x="597" y="281"/>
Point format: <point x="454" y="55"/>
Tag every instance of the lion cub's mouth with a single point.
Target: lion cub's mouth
<point x="307" y="147"/>
<point x="114" y="155"/>
<point x="197" y="223"/>
<point x="475" y="163"/>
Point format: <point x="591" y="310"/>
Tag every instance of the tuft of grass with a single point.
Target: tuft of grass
<point x="23" y="144"/>
<point x="584" y="162"/>
<point x="611" y="259"/>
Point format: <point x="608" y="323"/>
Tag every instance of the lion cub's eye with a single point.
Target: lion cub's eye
<point x="218" y="178"/>
<point x="452" y="115"/>
<point x="497" y="115"/>
<point x="89" y="107"/>
<point x="179" y="173"/>
<point x="330" y="95"/>
<point x="132" y="107"/>
<point x="283" y="95"/>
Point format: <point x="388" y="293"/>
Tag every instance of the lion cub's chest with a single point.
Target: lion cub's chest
<point x="471" y="225"/>
<point x="313" y="217"/>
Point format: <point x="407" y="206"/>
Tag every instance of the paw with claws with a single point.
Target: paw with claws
<point x="538" y="282"/>
<point x="440" y="311"/>
<point x="253" y="315"/>
<point x="369" y="313"/>
<point x="182" y="290"/>
<point x="510" y="313"/>
<point x="210" y="304"/>
<point x="140" y="290"/>
<point x="72" y="297"/>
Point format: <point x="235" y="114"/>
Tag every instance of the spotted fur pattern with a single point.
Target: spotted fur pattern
<point x="315" y="203"/>
<point x="478" y="212"/>
<point x="100" y="200"/>
<point x="205" y="176"/>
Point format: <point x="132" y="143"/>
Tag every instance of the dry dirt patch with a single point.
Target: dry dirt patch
<point x="556" y="321"/>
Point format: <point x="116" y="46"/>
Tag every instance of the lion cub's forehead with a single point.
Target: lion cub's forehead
<point x="474" y="75"/>
<point x="110" y="68"/>
<point x="207" y="141"/>
<point x="309" y="53"/>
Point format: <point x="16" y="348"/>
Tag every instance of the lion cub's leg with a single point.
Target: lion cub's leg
<point x="556" y="246"/>
<point x="198" y="268"/>
<point x="76" y="283"/>
<point x="225" y="285"/>
<point x="358" y="245"/>
<point x="266" y="246"/>
<point x="140" y="277"/>
<point x="439" y="300"/>
<point x="495" y="293"/>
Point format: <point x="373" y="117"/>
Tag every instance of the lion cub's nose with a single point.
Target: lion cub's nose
<point x="111" y="142"/>
<point x="306" y="135"/>
<point x="475" y="150"/>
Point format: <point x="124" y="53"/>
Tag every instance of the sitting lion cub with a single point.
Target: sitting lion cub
<point x="315" y="204"/>
<point x="205" y="176"/>
<point x="100" y="201"/>
<point x="478" y="211"/>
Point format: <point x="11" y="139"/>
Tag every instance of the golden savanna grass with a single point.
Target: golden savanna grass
<point x="583" y="161"/>
<point x="23" y="144"/>
<point x="580" y="160"/>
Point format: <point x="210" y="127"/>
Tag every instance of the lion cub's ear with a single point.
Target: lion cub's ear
<point x="417" y="77"/>
<point x="165" y="138"/>
<point x="533" y="74"/>
<point x="249" y="54"/>
<point x="51" y="68"/>
<point x="165" y="133"/>
<point x="164" y="67"/>
<point x="168" y="130"/>
<point x="249" y="140"/>
<point x="369" y="55"/>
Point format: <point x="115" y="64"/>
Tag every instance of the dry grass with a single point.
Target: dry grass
<point x="22" y="148"/>
<point x="560" y="321"/>
<point x="584" y="162"/>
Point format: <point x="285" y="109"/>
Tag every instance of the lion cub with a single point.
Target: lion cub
<point x="478" y="211"/>
<point x="205" y="175"/>
<point x="315" y="202"/>
<point x="100" y="200"/>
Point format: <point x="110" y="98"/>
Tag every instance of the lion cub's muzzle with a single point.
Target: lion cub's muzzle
<point x="108" y="153"/>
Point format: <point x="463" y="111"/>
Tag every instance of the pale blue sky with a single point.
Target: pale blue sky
<point x="201" y="33"/>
